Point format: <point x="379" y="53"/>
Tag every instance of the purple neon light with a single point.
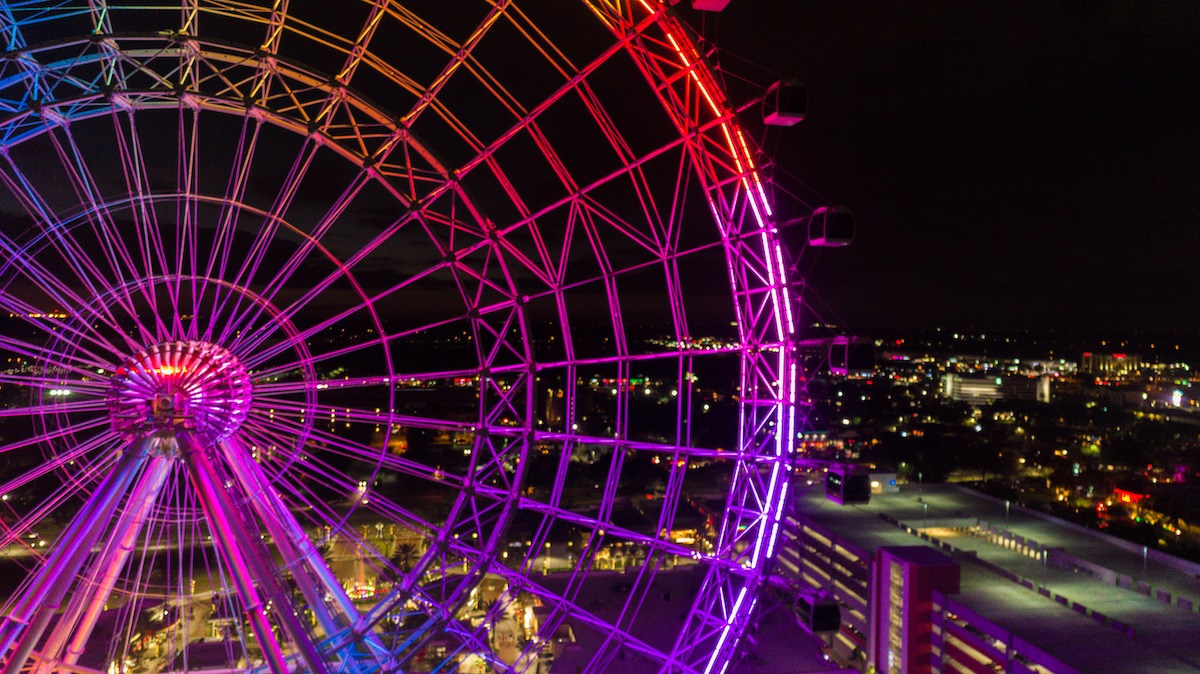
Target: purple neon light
<point x="767" y="529"/>
<point x="230" y="329"/>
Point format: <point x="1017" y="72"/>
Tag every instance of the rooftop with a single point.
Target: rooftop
<point x="1094" y="602"/>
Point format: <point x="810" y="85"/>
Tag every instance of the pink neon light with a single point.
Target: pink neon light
<point x="787" y="300"/>
<point x="756" y="195"/>
<point x="742" y="161"/>
<point x="771" y="280"/>
<point x="744" y="164"/>
<point x="197" y="384"/>
<point x="712" y="104"/>
<point x="762" y="193"/>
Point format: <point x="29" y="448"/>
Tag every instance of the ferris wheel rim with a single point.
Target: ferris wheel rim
<point x="751" y="198"/>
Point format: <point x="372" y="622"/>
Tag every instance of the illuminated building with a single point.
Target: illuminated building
<point x="986" y="389"/>
<point x="902" y="629"/>
<point x="950" y="581"/>
<point x="822" y="558"/>
<point x="1109" y="364"/>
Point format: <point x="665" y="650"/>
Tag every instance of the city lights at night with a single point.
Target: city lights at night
<point x="590" y="336"/>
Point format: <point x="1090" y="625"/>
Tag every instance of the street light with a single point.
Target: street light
<point x="1145" y="552"/>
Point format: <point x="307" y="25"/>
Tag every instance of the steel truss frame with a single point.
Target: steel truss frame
<point x="49" y="88"/>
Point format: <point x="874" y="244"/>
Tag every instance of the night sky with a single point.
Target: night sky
<point x="1017" y="165"/>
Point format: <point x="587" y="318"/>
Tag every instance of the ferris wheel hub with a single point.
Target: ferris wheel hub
<point x="190" y="386"/>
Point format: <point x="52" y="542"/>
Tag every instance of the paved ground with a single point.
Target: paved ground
<point x="779" y="645"/>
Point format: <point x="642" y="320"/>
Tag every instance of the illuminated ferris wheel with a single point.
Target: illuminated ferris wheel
<point x="402" y="337"/>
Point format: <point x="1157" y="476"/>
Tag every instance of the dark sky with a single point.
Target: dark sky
<point x="1023" y="165"/>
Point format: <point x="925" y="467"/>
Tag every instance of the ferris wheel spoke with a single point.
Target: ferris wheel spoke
<point x="258" y="351"/>
<point x="237" y="316"/>
<point x="55" y="408"/>
<point x="438" y="621"/>
<point x="310" y="247"/>
<point x="284" y="388"/>
<point x="152" y="251"/>
<point x="258" y="355"/>
<point x="312" y="293"/>
<point x="54" y="288"/>
<point x="323" y="515"/>
<point x="51" y="436"/>
<point x="44" y="383"/>
<point x="315" y="290"/>
<point x="82" y="364"/>
<point x="43" y="594"/>
<point x="290" y="410"/>
<point x="564" y="603"/>
<point x="337" y="445"/>
<point x="597" y="524"/>
<point x="78" y="260"/>
<point x="85" y="340"/>
<point x="324" y="474"/>
<point x="385" y="505"/>
<point x="120" y="261"/>
<point x="217" y="262"/>
<point x="187" y="219"/>
<point x="239" y="550"/>
<point x="95" y="445"/>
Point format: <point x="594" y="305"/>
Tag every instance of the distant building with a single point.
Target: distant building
<point x="1109" y="364"/>
<point x="884" y="483"/>
<point x="986" y="389"/>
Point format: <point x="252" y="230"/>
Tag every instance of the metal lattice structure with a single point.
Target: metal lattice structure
<point x="338" y="337"/>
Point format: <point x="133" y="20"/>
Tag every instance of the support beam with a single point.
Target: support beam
<point x="242" y="552"/>
<point x="313" y="576"/>
<point x="227" y="533"/>
<point x="23" y="628"/>
<point x="75" y="626"/>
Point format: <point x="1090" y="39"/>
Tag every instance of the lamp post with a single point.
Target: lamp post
<point x="1145" y="552"/>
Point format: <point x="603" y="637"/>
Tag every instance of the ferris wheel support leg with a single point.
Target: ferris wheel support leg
<point x="295" y="545"/>
<point x="23" y="628"/>
<point x="238" y="548"/>
<point x="84" y="609"/>
<point x="225" y="529"/>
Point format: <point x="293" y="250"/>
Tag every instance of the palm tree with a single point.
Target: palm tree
<point x="404" y="556"/>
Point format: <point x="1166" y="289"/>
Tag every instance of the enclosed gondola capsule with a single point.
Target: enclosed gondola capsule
<point x="785" y="104"/>
<point x="818" y="613"/>
<point x="831" y="227"/>
<point x="848" y="484"/>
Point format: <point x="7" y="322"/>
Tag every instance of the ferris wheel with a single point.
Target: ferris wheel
<point x="399" y="337"/>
